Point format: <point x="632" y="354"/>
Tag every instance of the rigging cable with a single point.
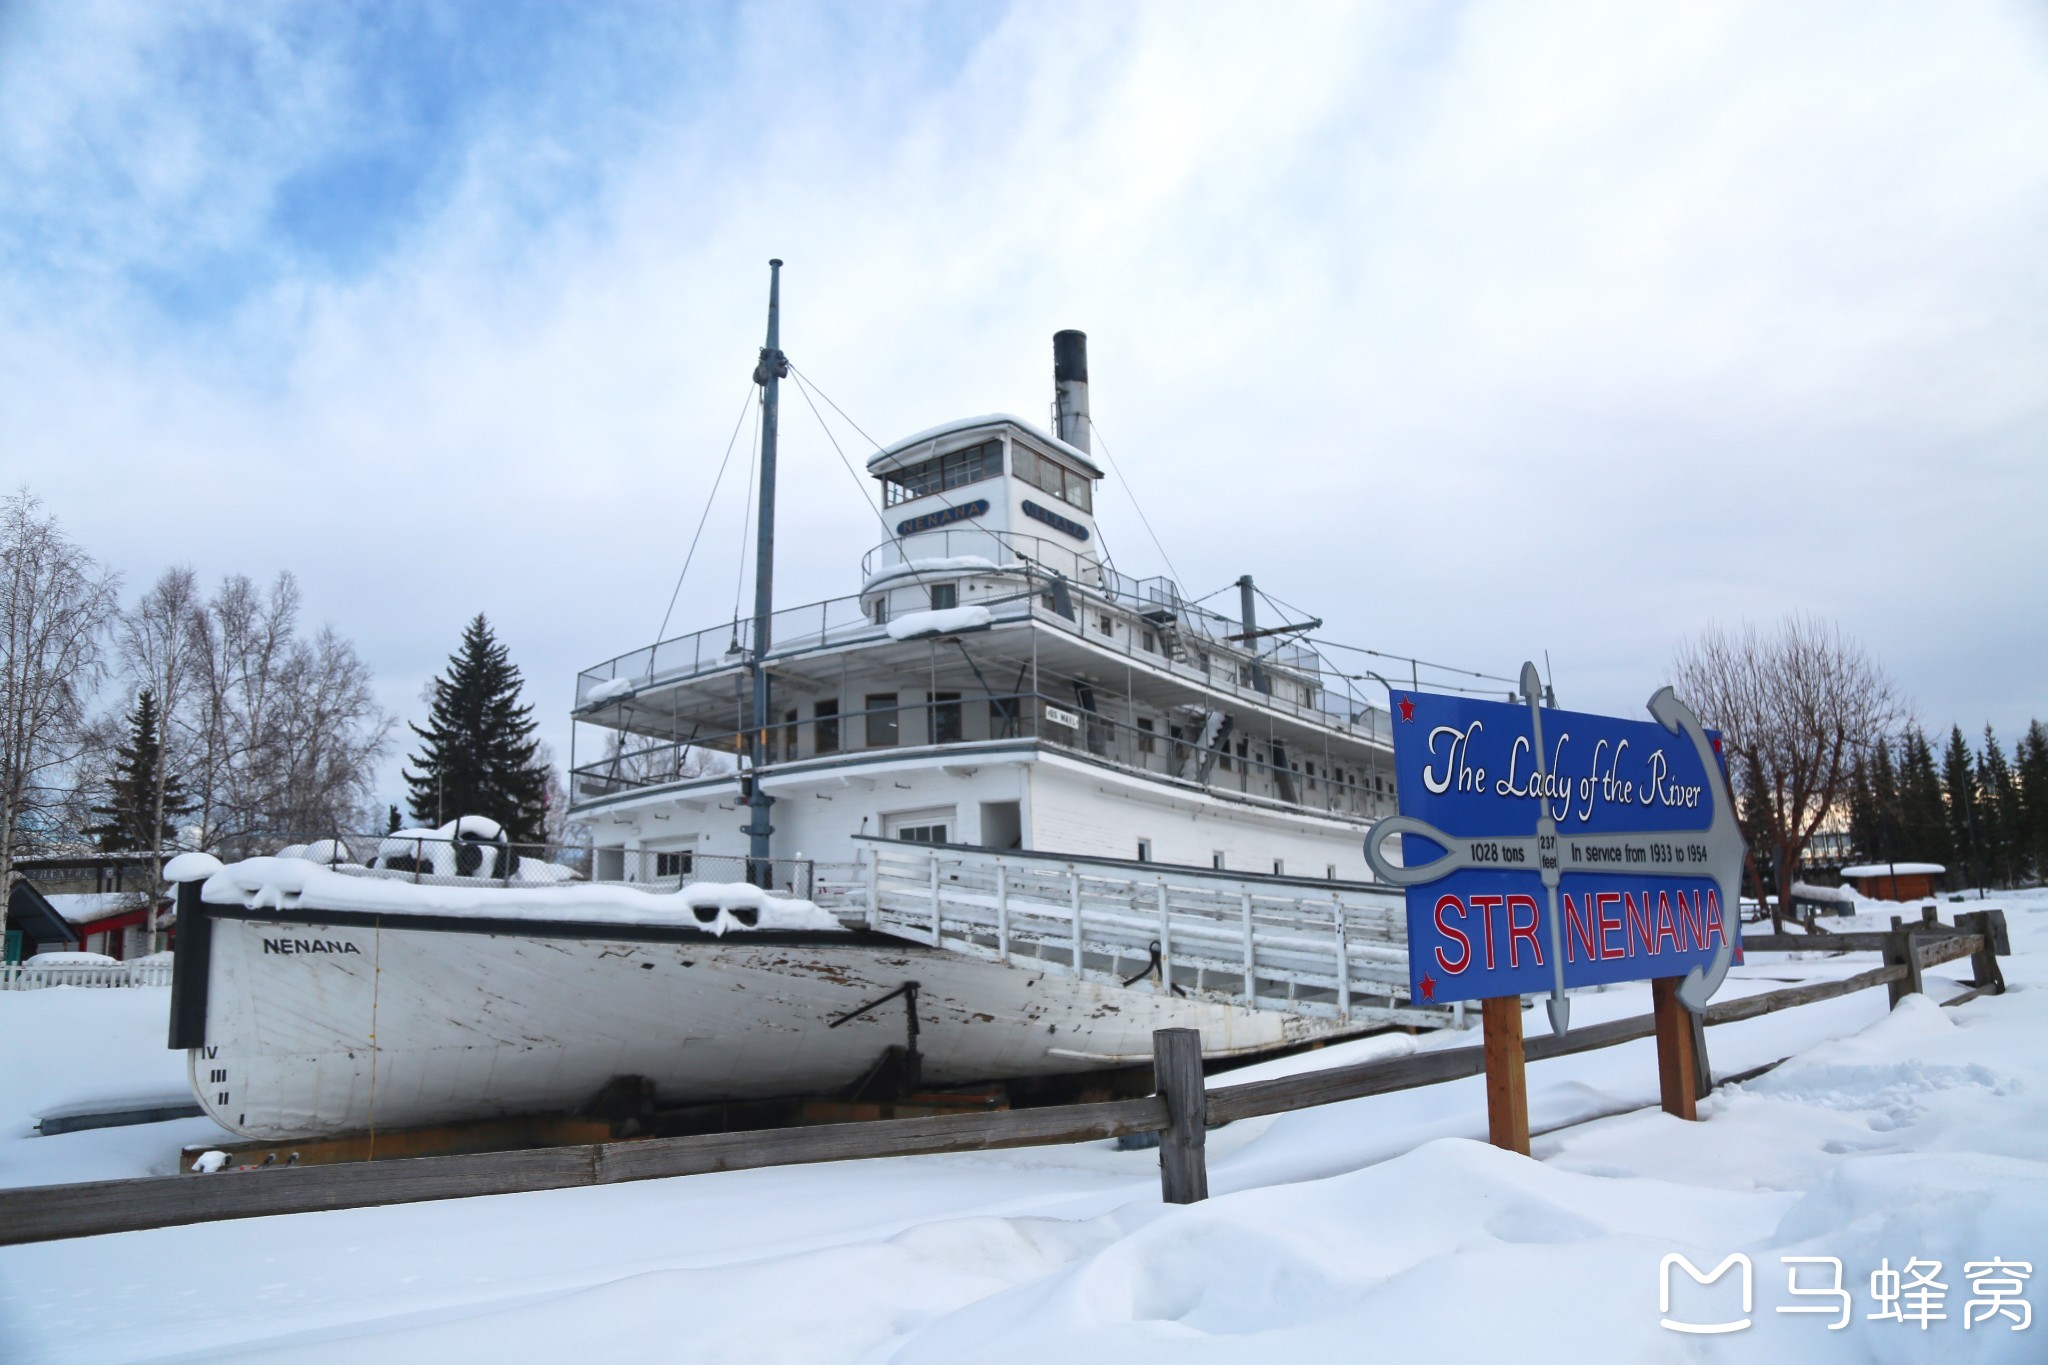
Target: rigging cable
<point x="708" y="501"/>
<point x="1146" y="521"/>
<point x="803" y="386"/>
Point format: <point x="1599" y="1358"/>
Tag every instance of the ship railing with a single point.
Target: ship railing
<point x="1327" y="950"/>
<point x="432" y="859"/>
<point x="1306" y="778"/>
<point x="959" y="549"/>
<point x="837" y="620"/>
<point x="33" y="976"/>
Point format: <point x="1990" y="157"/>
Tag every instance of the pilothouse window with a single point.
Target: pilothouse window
<point x="954" y="469"/>
<point x="1068" y="485"/>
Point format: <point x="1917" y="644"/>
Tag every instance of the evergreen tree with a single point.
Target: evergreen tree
<point x="1959" y="781"/>
<point x="2000" y="818"/>
<point x="1884" y="805"/>
<point x="480" y="755"/>
<point x="127" y="818"/>
<point x="1863" y="816"/>
<point x="395" y="823"/>
<point x="2031" y="769"/>
<point x="1923" y="814"/>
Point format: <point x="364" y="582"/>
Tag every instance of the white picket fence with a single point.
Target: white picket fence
<point x="1256" y="942"/>
<point x="22" y="976"/>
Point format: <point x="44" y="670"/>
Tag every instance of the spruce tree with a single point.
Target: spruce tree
<point x="480" y="754"/>
<point x="2031" y="771"/>
<point x="1923" y="813"/>
<point x="128" y="819"/>
<point x="1959" y="782"/>
<point x="1884" y="805"/>
<point x="2000" y="816"/>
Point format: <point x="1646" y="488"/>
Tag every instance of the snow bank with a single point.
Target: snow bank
<point x="293" y="883"/>
<point x="62" y="959"/>
<point x="949" y="621"/>
<point x="1839" y="894"/>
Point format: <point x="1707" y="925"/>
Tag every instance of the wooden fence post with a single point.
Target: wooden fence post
<point x="1677" y="1066"/>
<point x="1902" y="949"/>
<point x="1177" y="1072"/>
<point x="1507" y="1087"/>
<point x="1985" y="973"/>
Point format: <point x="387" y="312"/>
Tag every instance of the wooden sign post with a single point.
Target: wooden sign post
<point x="1677" y="1067"/>
<point x="1507" y="1089"/>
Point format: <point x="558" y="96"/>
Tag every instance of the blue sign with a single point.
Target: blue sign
<point x="1543" y="849"/>
<point x="1055" y="520"/>
<point x="932" y="521"/>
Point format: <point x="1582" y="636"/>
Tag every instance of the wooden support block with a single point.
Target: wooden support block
<point x="1183" y="1153"/>
<point x="1507" y="1087"/>
<point x="1677" y="1067"/>
<point x="1702" y="1070"/>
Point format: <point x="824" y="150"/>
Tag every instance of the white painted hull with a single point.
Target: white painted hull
<point x="394" y="1026"/>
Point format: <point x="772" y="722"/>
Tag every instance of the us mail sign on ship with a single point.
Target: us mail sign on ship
<point x="1615" y="823"/>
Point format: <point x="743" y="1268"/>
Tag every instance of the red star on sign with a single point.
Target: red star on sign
<point x="1407" y="708"/>
<point x="1429" y="988"/>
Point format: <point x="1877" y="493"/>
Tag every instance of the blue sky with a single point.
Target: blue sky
<point x="1679" y="314"/>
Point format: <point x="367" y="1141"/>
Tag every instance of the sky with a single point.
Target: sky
<point x="1484" y="331"/>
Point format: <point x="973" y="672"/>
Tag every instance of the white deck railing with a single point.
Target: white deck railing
<point x="1266" y="945"/>
<point x="23" y="976"/>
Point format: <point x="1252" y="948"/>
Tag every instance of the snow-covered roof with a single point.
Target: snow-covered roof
<point x="909" y="449"/>
<point x="1901" y="869"/>
<point x="84" y="907"/>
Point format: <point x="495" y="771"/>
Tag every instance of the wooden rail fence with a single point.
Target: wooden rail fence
<point x="1182" y="1112"/>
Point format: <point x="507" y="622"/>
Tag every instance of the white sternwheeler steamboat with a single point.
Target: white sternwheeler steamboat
<point x="994" y="818"/>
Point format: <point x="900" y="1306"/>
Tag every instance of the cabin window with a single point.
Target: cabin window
<point x="1330" y="873"/>
<point x="1002" y="718"/>
<point x="882" y="719"/>
<point x="1216" y="860"/>
<point x="954" y="469"/>
<point x="825" y="727"/>
<point x="1104" y="624"/>
<point x="1069" y="486"/>
<point x="789" y="737"/>
<point x="1243" y="750"/>
<point x="1144" y="850"/>
<point x="673" y="864"/>
<point x="881" y="611"/>
<point x="1279" y="867"/>
<point x="945" y="596"/>
<point x="1151" y="644"/>
<point x="1147" y="743"/>
<point x="922" y="834"/>
<point x="946" y="721"/>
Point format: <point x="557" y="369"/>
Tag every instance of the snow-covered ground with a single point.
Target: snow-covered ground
<point x="1380" y="1228"/>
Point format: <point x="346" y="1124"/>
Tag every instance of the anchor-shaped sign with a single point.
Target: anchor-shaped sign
<point x="1540" y="850"/>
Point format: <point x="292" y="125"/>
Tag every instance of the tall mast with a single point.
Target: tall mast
<point x="768" y="373"/>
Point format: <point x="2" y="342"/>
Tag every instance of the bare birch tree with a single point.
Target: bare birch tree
<point x="286" y="732"/>
<point x="56" y="604"/>
<point x="1795" y="709"/>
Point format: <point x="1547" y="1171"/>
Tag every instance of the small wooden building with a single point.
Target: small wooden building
<point x="1896" y="881"/>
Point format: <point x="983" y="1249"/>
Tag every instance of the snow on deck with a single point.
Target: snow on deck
<point x="290" y="883"/>
<point x="1379" y="1224"/>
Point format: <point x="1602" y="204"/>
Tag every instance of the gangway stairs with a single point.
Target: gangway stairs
<point x="1329" y="950"/>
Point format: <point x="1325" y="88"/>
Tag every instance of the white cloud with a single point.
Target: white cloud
<point x="1479" y="331"/>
